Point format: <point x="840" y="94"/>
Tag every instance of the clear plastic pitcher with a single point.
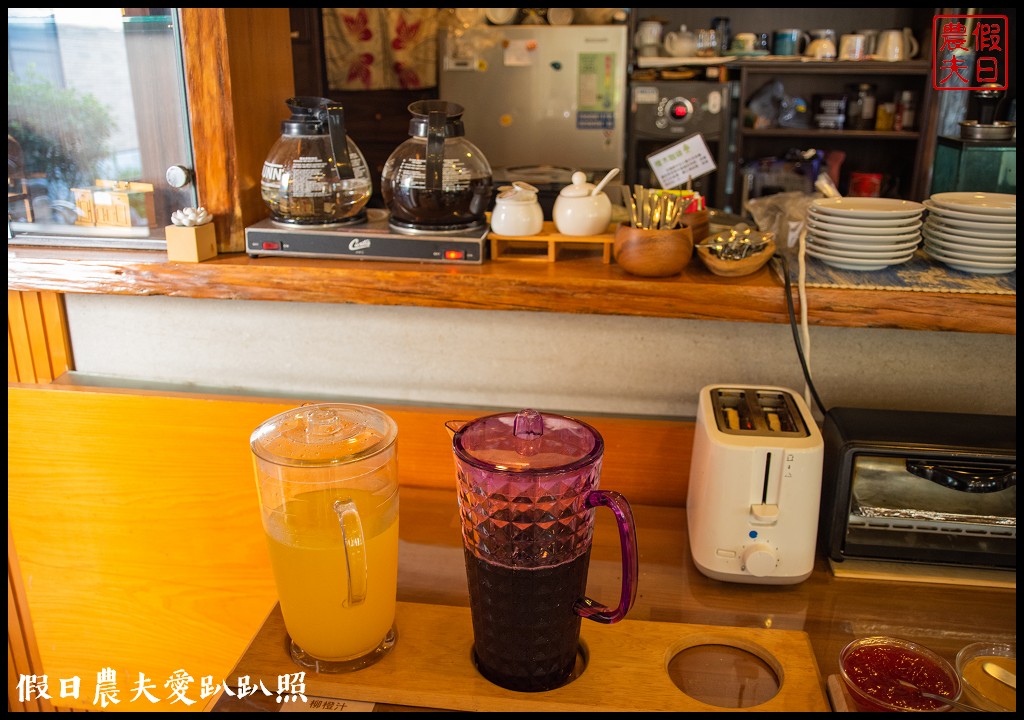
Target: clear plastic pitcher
<point x="327" y="477"/>
<point x="528" y="487"/>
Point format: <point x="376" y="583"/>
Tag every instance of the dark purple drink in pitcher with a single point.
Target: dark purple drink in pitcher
<point x="527" y="488"/>
<point x="525" y="630"/>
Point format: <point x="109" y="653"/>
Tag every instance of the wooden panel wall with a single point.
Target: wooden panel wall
<point x="22" y="652"/>
<point x="38" y="345"/>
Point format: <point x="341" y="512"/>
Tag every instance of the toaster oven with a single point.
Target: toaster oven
<point x="919" y="487"/>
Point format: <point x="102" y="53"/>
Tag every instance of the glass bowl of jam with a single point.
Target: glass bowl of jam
<point x="888" y="674"/>
<point x="981" y="665"/>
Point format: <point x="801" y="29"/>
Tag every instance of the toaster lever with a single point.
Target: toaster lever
<point x="764" y="514"/>
<point x="964" y="478"/>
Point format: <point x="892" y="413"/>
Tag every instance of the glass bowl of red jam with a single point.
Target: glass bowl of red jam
<point x="888" y="674"/>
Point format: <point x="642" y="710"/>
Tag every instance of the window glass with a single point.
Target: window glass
<point x="95" y="118"/>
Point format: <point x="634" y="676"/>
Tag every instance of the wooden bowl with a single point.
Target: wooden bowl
<point x="736" y="268"/>
<point x="652" y="253"/>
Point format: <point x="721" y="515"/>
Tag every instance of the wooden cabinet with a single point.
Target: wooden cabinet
<point x="904" y="157"/>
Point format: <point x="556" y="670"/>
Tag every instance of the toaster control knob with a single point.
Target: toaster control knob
<point x="760" y="560"/>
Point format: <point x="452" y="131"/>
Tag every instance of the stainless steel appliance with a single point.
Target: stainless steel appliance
<point x="666" y="111"/>
<point x="755" y="482"/>
<point x="920" y="487"/>
<point x="541" y="101"/>
<point x="373" y="239"/>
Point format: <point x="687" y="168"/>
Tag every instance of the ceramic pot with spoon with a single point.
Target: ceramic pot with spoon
<point x="583" y="208"/>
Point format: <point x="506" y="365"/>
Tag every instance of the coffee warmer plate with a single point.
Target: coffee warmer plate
<point x="374" y="239"/>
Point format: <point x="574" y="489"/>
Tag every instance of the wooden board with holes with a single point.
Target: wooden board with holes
<point x="431" y="667"/>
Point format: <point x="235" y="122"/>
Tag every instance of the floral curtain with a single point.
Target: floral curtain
<point x="380" y="48"/>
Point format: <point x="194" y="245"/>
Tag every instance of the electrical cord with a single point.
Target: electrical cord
<point x="796" y="333"/>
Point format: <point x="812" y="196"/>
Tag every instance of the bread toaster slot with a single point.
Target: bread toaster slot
<point x="759" y="412"/>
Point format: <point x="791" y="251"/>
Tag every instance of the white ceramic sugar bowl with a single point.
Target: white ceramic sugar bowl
<point x="516" y="211"/>
<point x="579" y="210"/>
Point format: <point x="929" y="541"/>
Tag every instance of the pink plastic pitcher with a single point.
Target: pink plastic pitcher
<point x="528" y="486"/>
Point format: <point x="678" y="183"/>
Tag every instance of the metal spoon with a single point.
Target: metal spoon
<point x="1001" y="674"/>
<point x="604" y="181"/>
<point x="941" y="698"/>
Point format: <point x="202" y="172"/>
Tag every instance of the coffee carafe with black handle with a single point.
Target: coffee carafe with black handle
<point x="437" y="180"/>
<point x="314" y="173"/>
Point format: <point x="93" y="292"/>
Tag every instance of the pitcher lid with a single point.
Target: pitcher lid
<point x="323" y="434"/>
<point x="528" y="442"/>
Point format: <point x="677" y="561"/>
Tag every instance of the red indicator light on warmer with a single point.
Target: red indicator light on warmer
<point x="268" y="245"/>
<point x="454" y="255"/>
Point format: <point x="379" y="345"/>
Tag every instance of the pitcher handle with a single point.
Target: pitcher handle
<point x="355" y="550"/>
<point x="590" y="609"/>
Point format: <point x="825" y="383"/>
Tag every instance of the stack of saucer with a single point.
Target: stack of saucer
<point x="973" y="232"/>
<point x="859" y="233"/>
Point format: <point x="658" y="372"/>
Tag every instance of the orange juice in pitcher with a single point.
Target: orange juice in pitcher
<point x="328" y="484"/>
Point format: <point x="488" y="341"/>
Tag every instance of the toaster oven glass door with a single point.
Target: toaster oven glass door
<point x="943" y="510"/>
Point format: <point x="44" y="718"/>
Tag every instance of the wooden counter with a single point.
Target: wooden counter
<point x="831" y="610"/>
<point x="154" y="558"/>
<point x="582" y="284"/>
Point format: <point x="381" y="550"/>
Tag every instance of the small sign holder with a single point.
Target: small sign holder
<point x="682" y="161"/>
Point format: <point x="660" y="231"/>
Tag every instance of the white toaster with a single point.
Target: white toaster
<point x="755" y="485"/>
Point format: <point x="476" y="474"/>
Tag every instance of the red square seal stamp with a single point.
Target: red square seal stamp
<point x="970" y="52"/>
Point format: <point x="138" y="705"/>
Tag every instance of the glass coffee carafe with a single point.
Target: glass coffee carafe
<point x="315" y="174"/>
<point x="437" y="180"/>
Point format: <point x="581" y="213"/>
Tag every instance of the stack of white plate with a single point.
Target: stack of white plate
<point x="859" y="233"/>
<point x="973" y="232"/>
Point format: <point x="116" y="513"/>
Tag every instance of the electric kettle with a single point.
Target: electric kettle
<point x="315" y="174"/>
<point x="437" y="180"/>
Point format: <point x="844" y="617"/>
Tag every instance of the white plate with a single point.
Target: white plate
<point x="860" y="264"/>
<point x="963" y="227"/>
<point x="821" y="217"/>
<point x="868" y="207"/>
<point x="501" y="16"/>
<point x="825" y="226"/>
<point x="879" y="237"/>
<point x="873" y="249"/>
<point x="934" y="209"/>
<point x="968" y="253"/>
<point x="979" y="202"/>
<point x="972" y="266"/>
<point x="968" y="240"/>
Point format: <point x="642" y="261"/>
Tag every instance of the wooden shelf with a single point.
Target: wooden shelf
<point x="579" y="284"/>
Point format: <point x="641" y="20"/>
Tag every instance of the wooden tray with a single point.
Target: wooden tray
<point x="545" y="246"/>
<point x="431" y="667"/>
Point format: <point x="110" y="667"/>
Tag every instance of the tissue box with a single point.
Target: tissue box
<point x="191" y="244"/>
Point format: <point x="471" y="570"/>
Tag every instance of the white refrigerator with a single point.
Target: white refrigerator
<point x="540" y="95"/>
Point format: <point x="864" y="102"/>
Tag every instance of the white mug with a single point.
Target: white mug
<point x="852" y="47"/>
<point x="896" y="46"/>
<point x="744" y="42"/>
<point x="870" y="40"/>
<point x="821" y="49"/>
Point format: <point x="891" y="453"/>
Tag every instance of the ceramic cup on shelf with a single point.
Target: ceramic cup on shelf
<point x="821" y="49"/>
<point x="870" y="40"/>
<point x="789" y="41"/>
<point x="744" y="42"/>
<point x="896" y="46"/>
<point x="852" y="47"/>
